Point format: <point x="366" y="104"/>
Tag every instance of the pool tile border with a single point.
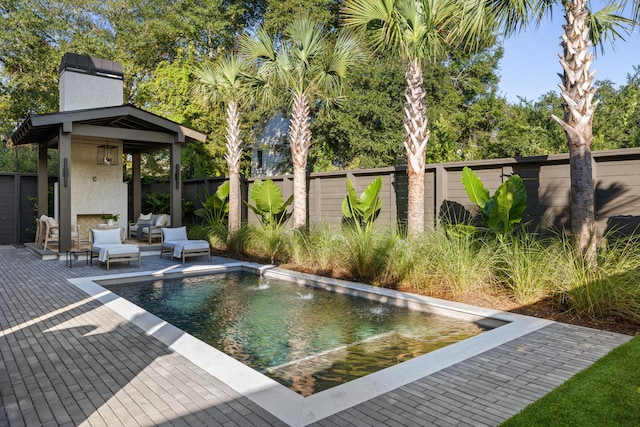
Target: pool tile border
<point x="287" y="405"/>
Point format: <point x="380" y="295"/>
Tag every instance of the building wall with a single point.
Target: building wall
<point x="265" y="161"/>
<point x="79" y="91"/>
<point x="96" y="189"/>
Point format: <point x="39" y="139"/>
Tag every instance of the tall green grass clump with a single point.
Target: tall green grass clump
<point x="456" y="264"/>
<point x="614" y="288"/>
<point x="366" y="253"/>
<point x="527" y="266"/>
<point x="272" y="243"/>
<point x="402" y="260"/>
<point x="237" y="242"/>
<point x="320" y="248"/>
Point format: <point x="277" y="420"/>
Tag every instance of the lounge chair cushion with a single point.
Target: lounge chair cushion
<point x="109" y="249"/>
<point x="171" y="234"/>
<point x="52" y="224"/>
<point x="180" y="245"/>
<point x="104" y="237"/>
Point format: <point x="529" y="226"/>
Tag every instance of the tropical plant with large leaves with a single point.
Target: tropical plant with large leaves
<point x="215" y="207"/>
<point x="418" y="31"/>
<point x="306" y="66"/>
<point x="362" y="210"/>
<point x="270" y="205"/>
<point x="502" y="211"/>
<point x="584" y="28"/>
<point x="228" y="81"/>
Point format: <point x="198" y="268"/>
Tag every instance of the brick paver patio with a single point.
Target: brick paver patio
<point x="68" y="360"/>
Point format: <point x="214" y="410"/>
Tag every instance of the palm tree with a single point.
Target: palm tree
<point x="228" y="82"/>
<point x="306" y="68"/>
<point x="418" y="31"/>
<point x="583" y="29"/>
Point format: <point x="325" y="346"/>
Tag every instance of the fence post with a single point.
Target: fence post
<point x="17" y="214"/>
<point x="441" y="188"/>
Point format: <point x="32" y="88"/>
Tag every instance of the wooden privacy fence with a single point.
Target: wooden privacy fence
<point x="17" y="217"/>
<point x="546" y="178"/>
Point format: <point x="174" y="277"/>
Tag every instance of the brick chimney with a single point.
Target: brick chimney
<point x="88" y="82"/>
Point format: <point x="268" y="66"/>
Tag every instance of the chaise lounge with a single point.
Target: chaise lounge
<point x="107" y="246"/>
<point x="175" y="241"/>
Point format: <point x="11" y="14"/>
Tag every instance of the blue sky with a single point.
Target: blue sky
<point x="530" y="64"/>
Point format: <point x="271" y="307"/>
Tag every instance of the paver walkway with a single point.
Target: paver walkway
<point x="68" y="360"/>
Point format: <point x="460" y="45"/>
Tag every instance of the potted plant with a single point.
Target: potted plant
<point x="110" y="218"/>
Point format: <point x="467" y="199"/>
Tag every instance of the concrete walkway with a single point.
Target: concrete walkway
<point x="68" y="360"/>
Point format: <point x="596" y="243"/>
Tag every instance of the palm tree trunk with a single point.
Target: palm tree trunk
<point x="300" y="141"/>
<point x="234" y="152"/>
<point x="416" y="138"/>
<point x="579" y="107"/>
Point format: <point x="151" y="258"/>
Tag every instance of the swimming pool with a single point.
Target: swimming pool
<point x="307" y="339"/>
<point x="287" y="405"/>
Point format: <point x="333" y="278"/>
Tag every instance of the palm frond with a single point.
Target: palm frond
<point x="377" y="18"/>
<point x="606" y="25"/>
<point x="260" y="48"/>
<point x="221" y="82"/>
<point x="516" y="15"/>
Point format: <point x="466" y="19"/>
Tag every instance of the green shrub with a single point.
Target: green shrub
<point x="158" y="203"/>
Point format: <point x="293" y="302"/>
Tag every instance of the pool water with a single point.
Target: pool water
<point x="305" y="338"/>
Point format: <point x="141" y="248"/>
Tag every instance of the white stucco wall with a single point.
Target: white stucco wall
<point x="79" y="91"/>
<point x="96" y="189"/>
<point x="275" y="132"/>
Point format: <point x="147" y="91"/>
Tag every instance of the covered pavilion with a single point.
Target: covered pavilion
<point x="91" y="133"/>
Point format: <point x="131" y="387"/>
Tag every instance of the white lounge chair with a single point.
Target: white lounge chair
<point x="175" y="241"/>
<point x="107" y="246"/>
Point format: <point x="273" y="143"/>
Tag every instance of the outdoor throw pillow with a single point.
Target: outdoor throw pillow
<point x="145" y="219"/>
<point x="162" y="221"/>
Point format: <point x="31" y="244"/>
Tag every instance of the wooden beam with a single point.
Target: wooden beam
<point x="123" y="134"/>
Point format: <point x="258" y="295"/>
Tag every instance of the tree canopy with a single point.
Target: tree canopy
<point x="160" y="43"/>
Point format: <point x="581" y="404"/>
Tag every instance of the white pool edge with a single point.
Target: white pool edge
<point x="285" y="404"/>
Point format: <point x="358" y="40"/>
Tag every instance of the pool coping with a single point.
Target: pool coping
<point x="285" y="404"/>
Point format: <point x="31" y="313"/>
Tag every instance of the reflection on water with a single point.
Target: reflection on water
<point x="263" y="284"/>
<point x="308" y="341"/>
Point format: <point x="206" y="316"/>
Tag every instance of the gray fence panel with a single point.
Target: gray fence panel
<point x="8" y="208"/>
<point x="546" y="178"/>
<point x="28" y="189"/>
